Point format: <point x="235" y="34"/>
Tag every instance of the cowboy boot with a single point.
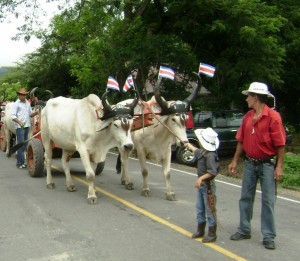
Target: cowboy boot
<point x="212" y="236"/>
<point x="200" y="230"/>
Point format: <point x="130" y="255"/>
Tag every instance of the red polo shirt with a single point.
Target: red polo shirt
<point x="261" y="137"/>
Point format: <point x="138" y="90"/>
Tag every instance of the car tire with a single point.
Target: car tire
<point x="185" y="156"/>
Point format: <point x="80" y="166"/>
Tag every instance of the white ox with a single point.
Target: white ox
<point x="74" y="125"/>
<point x="154" y="142"/>
<point x="9" y="126"/>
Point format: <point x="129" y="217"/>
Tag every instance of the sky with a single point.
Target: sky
<point x="11" y="51"/>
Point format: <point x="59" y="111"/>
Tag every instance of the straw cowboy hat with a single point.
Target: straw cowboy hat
<point x="259" y="88"/>
<point x="23" y="91"/>
<point x="208" y="138"/>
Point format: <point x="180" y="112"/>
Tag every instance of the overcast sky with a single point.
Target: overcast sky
<point x="11" y="51"/>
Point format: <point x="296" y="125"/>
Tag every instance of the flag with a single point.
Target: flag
<point x="166" y="72"/>
<point x="128" y="83"/>
<point x="207" y="69"/>
<point x="112" y="84"/>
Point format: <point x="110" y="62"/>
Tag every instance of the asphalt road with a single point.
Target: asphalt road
<point x="38" y="224"/>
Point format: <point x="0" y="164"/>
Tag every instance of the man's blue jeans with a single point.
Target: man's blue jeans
<point x="22" y="134"/>
<point x="263" y="172"/>
<point x="203" y="209"/>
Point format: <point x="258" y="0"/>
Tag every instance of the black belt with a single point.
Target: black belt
<point x="260" y="161"/>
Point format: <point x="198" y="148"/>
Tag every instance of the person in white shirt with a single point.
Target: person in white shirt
<point x="21" y="113"/>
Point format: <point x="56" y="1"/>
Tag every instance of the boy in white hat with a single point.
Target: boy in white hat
<point x="207" y="169"/>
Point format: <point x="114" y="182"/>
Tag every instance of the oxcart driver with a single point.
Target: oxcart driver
<point x="21" y="113"/>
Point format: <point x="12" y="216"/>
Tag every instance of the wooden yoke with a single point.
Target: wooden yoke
<point x="144" y="114"/>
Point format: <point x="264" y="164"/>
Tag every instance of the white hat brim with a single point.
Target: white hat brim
<point x="246" y="92"/>
<point x="205" y="144"/>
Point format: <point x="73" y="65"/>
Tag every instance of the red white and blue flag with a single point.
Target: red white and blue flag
<point x="112" y="84"/>
<point x="166" y="72"/>
<point x="128" y="83"/>
<point x="207" y="69"/>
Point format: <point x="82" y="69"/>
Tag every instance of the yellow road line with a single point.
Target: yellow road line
<point x="160" y="220"/>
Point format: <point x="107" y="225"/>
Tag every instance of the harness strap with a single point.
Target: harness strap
<point x="144" y="103"/>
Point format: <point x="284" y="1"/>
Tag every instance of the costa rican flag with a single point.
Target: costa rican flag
<point x="128" y="83"/>
<point x="112" y="84"/>
<point x="166" y="72"/>
<point x="207" y="69"/>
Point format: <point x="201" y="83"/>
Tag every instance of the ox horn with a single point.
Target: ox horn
<point x="134" y="102"/>
<point x="193" y="95"/>
<point x="51" y="93"/>
<point x="32" y="93"/>
<point x="106" y="107"/>
<point x="162" y="103"/>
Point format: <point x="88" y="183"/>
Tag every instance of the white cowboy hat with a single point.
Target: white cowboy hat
<point x="208" y="138"/>
<point x="259" y="88"/>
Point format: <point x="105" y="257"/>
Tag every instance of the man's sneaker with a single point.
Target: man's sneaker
<point x="238" y="236"/>
<point x="269" y="244"/>
<point x="23" y="166"/>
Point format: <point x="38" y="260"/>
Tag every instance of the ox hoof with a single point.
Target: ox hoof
<point x="171" y="197"/>
<point x="71" y="188"/>
<point x="129" y="186"/>
<point x="123" y="182"/>
<point x="146" y="193"/>
<point x="92" y="200"/>
<point x="51" y="186"/>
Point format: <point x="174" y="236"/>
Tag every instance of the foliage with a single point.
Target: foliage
<point x="8" y="91"/>
<point x="247" y="41"/>
<point x="291" y="170"/>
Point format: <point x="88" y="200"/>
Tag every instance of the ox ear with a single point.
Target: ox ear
<point x="103" y="125"/>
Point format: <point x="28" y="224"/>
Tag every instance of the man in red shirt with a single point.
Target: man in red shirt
<point x="261" y="137"/>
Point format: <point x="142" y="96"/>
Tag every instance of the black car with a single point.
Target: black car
<point x="224" y="122"/>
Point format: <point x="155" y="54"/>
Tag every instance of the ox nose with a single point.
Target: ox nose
<point x="128" y="147"/>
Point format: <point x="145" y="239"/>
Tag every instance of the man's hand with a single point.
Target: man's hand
<point x="232" y="168"/>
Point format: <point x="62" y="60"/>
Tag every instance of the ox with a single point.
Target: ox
<point x="76" y="125"/>
<point x="154" y="142"/>
<point x="9" y="127"/>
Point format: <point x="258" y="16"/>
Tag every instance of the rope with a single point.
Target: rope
<point x="144" y="103"/>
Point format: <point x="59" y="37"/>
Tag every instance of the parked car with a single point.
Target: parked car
<point x="224" y="122"/>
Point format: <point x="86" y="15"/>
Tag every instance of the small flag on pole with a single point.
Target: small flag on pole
<point x="207" y="69"/>
<point x="112" y="84"/>
<point x="128" y="83"/>
<point x="166" y="72"/>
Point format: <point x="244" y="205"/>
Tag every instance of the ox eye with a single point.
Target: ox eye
<point x="116" y="125"/>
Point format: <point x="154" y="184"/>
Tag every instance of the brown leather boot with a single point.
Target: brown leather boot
<point x="200" y="230"/>
<point x="212" y="236"/>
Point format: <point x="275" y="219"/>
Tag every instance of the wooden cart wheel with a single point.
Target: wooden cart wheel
<point x="35" y="158"/>
<point x="99" y="168"/>
<point x="2" y="139"/>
